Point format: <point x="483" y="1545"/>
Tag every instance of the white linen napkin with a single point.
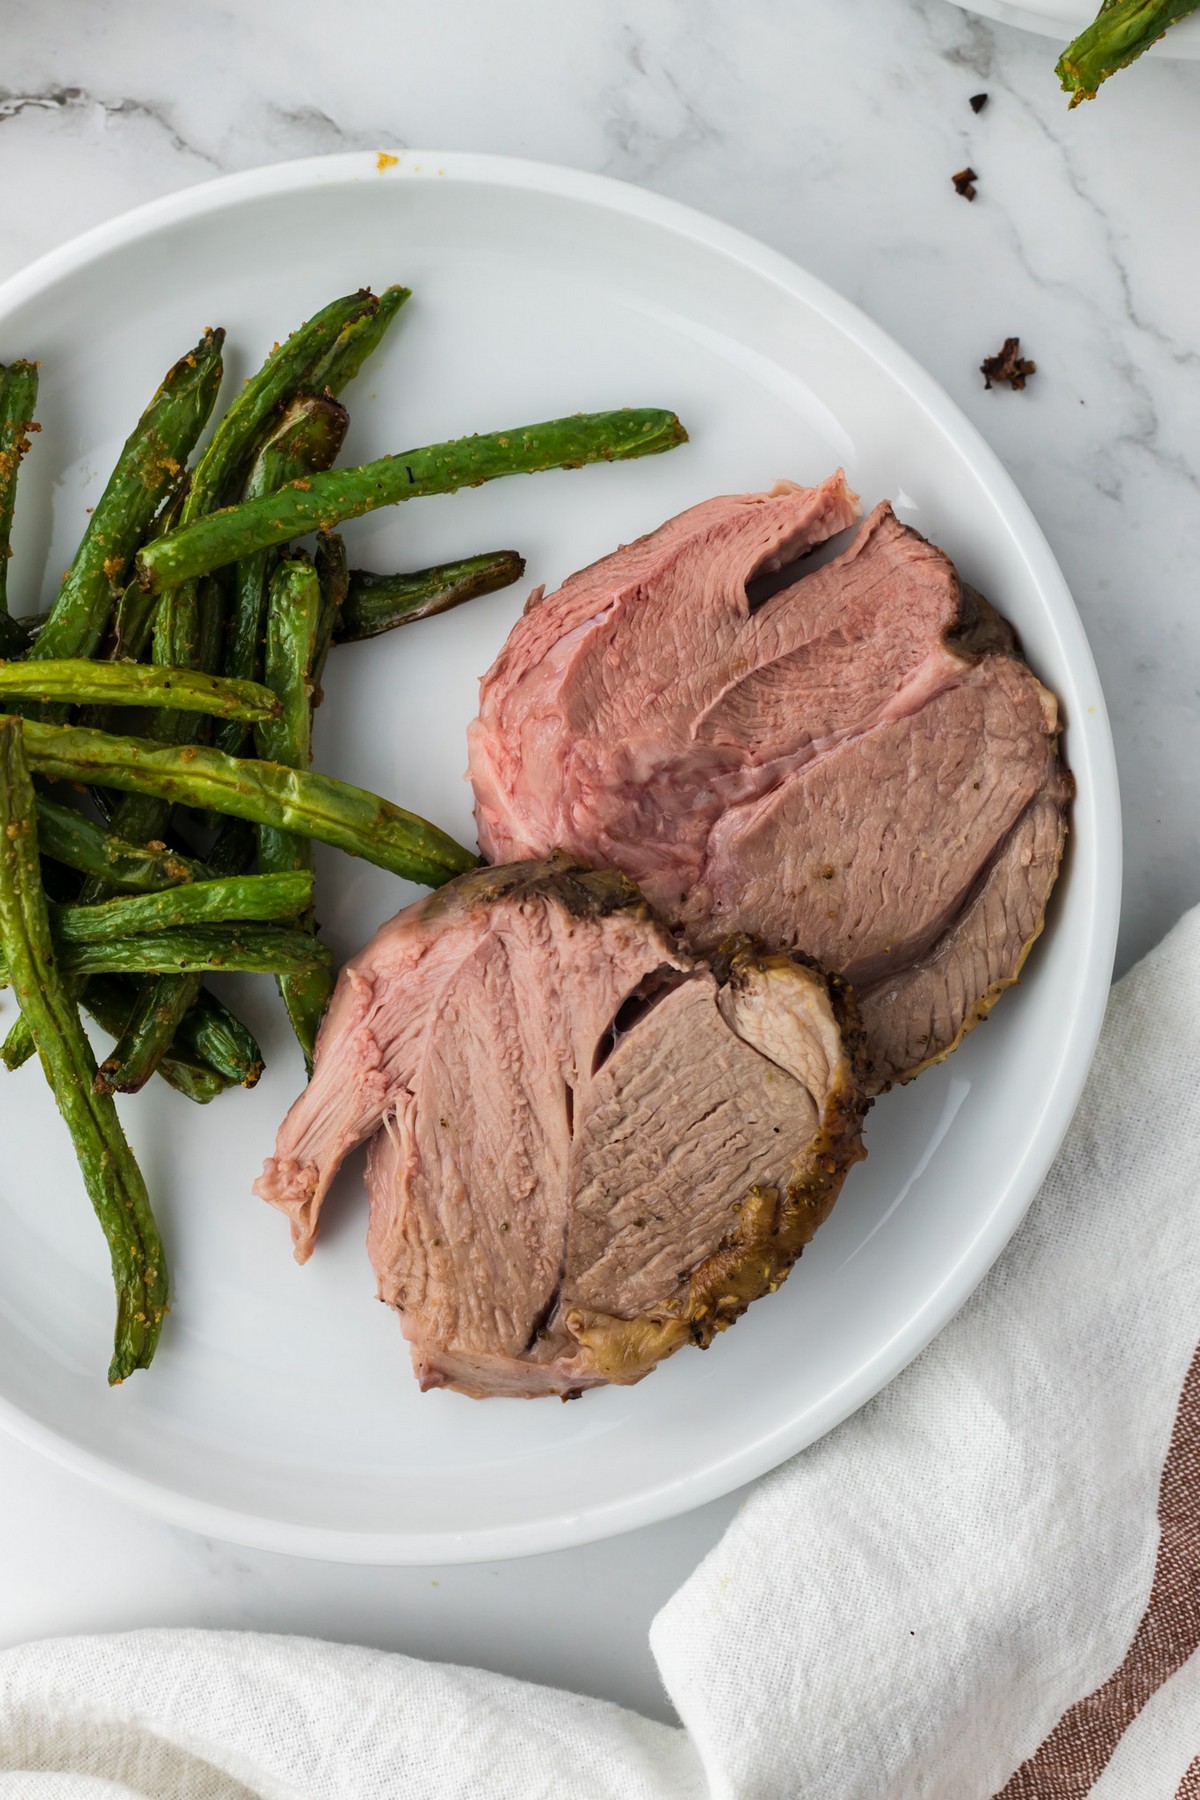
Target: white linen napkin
<point x="985" y="1586"/>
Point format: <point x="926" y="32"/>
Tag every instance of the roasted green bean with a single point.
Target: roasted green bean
<point x="293" y="620"/>
<point x="236" y="899"/>
<point x="113" y="1180"/>
<point x="356" y="341"/>
<point x="77" y="681"/>
<point x="325" y="500"/>
<point x="109" y="999"/>
<point x="149" y="466"/>
<point x="315" y="806"/>
<point x="232" y="949"/>
<point x="378" y="603"/>
<point x="308" y="439"/>
<point x="79" y="843"/>
<point x="18" y="396"/>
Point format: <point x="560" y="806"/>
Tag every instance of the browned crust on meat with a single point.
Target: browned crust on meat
<point x="582" y="892"/>
<point x="981" y="630"/>
<point x="772" y="1228"/>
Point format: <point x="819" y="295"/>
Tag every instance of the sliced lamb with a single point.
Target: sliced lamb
<point x="860" y="766"/>
<point x="589" y="1146"/>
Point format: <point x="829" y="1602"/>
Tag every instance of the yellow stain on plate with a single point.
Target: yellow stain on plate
<point x="384" y="161"/>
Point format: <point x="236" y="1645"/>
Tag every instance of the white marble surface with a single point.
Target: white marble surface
<point x="830" y="128"/>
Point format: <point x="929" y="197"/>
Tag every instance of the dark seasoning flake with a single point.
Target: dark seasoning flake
<point x="1008" y="365"/>
<point x="964" y="181"/>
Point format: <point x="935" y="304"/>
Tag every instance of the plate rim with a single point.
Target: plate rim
<point x="1077" y="1043"/>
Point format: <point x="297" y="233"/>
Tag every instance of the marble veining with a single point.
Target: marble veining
<point x="830" y="128"/>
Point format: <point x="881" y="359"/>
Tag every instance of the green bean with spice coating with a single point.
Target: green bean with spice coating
<point x="356" y="341"/>
<point x="209" y="1039"/>
<point x="109" y="999"/>
<point x="186" y="630"/>
<point x="183" y="631"/>
<point x="79" y="843"/>
<point x="210" y="1033"/>
<point x="149" y="466"/>
<point x="164" y="1002"/>
<point x="18" y="397"/>
<point x="111" y="1176"/>
<point x="194" y="949"/>
<point x="77" y="681"/>
<point x="323" y="501"/>
<point x="308" y="439"/>
<point x="289" y="367"/>
<point x="316" y="806"/>
<point x="1122" y="31"/>
<point x="235" y="899"/>
<point x="333" y="573"/>
<point x="179" y="626"/>
<point x="134" y="614"/>
<point x="293" y="620"/>
<point x="378" y="603"/>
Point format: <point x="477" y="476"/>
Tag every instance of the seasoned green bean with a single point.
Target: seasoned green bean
<point x="150" y="465"/>
<point x="323" y="501"/>
<point x="235" y="899"/>
<point x="308" y="439"/>
<point x="18" y="396"/>
<point x="356" y="341"/>
<point x="164" y="1002"/>
<point x="113" y="1180"/>
<point x="289" y="368"/>
<point x="286" y="737"/>
<point x="135" y="611"/>
<point x="293" y="621"/>
<point x="110" y="999"/>
<point x="333" y="573"/>
<point x="179" y="624"/>
<point x="188" y="627"/>
<point x="316" y="806"/>
<point x="210" y="1033"/>
<point x="79" y="843"/>
<point x="233" y="949"/>
<point x="379" y="603"/>
<point x="76" y="681"/>
<point x="1122" y="31"/>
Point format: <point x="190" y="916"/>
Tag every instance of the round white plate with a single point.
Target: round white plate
<point x="1065" y="19"/>
<point x="281" y="1410"/>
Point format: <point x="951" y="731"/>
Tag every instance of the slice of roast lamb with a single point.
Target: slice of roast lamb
<point x="861" y="767"/>
<point x="589" y="1146"/>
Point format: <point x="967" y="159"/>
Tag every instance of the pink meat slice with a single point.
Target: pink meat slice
<point x="840" y="769"/>
<point x="586" y="725"/>
<point x="587" y="1146"/>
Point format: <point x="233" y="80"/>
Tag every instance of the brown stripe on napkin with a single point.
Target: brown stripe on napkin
<point x="1189" y="1787"/>
<point x="1078" y="1750"/>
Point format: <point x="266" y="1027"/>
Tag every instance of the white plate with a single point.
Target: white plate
<point x="280" y="1410"/>
<point x="1065" y="19"/>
